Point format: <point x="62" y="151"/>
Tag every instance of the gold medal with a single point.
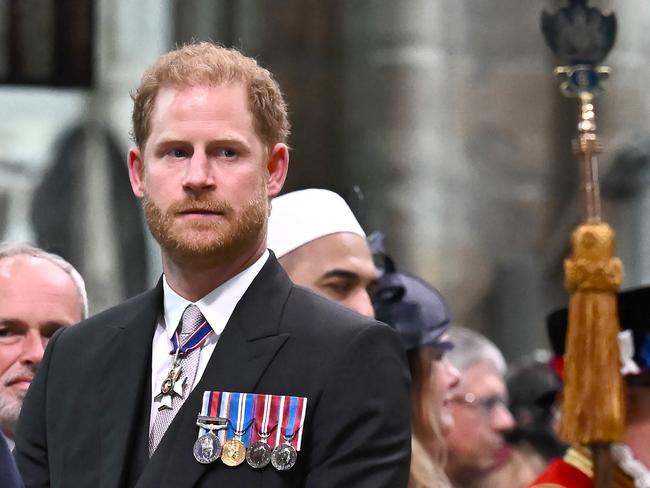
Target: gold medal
<point x="233" y="452"/>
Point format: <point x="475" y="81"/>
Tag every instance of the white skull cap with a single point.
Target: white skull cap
<point x="302" y="216"/>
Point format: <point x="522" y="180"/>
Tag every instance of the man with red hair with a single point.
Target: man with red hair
<point x="225" y="374"/>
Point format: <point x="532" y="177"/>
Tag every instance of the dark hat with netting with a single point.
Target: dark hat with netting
<point x="416" y="310"/>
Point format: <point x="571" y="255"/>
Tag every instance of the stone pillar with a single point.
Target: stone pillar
<point x="130" y="36"/>
<point x="298" y="41"/>
<point x="447" y="121"/>
<point x="624" y="121"/>
<point x="397" y="119"/>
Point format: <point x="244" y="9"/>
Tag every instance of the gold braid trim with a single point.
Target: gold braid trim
<point x="580" y="458"/>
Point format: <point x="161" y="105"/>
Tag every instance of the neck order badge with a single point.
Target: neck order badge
<point x="261" y="429"/>
<point x="185" y="348"/>
<point x="171" y="387"/>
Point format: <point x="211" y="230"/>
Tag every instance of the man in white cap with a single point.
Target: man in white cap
<point x="321" y="245"/>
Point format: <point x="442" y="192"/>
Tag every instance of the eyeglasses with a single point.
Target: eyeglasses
<point x="486" y="404"/>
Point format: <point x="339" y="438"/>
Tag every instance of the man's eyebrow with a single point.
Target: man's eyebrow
<point x="20" y="323"/>
<point x="341" y="273"/>
<point x="12" y="322"/>
<point x="56" y="323"/>
<point x="172" y="140"/>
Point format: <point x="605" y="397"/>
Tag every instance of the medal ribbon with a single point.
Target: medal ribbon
<point x="282" y="415"/>
<point x="242" y="404"/>
<point x="195" y="340"/>
<point x="267" y="408"/>
<point x="274" y="413"/>
<point x="292" y="417"/>
<point x="301" y="410"/>
<point x="215" y="401"/>
<point x="224" y="411"/>
<point x="246" y="417"/>
<point x="261" y="407"/>
<point x="209" y="407"/>
<point x="234" y="408"/>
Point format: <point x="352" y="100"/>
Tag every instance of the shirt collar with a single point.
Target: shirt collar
<point x="10" y="442"/>
<point x="217" y="306"/>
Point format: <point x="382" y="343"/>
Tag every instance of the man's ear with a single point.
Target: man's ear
<point x="277" y="167"/>
<point x="136" y="171"/>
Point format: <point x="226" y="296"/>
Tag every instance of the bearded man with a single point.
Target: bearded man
<point x="225" y="350"/>
<point x="40" y="292"/>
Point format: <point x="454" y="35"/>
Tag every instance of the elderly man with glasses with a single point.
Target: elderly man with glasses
<point x="479" y="406"/>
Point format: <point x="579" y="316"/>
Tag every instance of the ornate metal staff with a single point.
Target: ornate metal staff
<point x="593" y="399"/>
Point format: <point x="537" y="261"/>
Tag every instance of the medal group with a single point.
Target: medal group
<point x="256" y="428"/>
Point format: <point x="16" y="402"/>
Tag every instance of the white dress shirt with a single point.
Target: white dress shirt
<point x="10" y="442"/>
<point x="217" y="307"/>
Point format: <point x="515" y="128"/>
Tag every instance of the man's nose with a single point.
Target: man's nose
<point x="453" y="374"/>
<point x="361" y="302"/>
<point x="33" y="348"/>
<point x="199" y="174"/>
<point x="502" y="419"/>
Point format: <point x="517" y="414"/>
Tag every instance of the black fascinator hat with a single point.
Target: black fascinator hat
<point x="407" y="303"/>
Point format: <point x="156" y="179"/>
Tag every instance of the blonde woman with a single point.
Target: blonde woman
<point x="421" y="317"/>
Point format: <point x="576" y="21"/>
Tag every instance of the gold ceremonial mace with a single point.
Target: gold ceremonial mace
<point x="593" y="410"/>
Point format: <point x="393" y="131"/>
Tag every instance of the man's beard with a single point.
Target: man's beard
<point x="9" y="412"/>
<point x="11" y="401"/>
<point x="210" y="242"/>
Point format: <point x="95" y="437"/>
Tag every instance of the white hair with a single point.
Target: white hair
<point x="9" y="249"/>
<point x="471" y="348"/>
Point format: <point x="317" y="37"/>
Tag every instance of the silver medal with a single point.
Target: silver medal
<point x="284" y="457"/>
<point x="207" y="448"/>
<point x="171" y="387"/>
<point x="258" y="455"/>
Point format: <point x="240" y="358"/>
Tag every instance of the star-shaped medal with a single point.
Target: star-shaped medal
<point x="170" y="387"/>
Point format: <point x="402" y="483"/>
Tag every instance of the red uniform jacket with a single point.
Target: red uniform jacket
<point x="575" y="470"/>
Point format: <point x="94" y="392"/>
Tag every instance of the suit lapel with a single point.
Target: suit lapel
<point x="247" y="345"/>
<point x="123" y="387"/>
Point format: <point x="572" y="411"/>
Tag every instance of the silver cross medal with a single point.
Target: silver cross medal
<point x="171" y="386"/>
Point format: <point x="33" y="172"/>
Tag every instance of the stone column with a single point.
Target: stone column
<point x="447" y="121"/>
<point x="624" y="121"/>
<point x="130" y="36"/>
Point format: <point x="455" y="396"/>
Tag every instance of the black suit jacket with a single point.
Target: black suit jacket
<point x="9" y="477"/>
<point x="84" y="421"/>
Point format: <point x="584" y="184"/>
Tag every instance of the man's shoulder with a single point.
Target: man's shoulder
<point x="145" y="305"/>
<point x="9" y="477"/>
<point x="308" y="305"/>
<point x="307" y="313"/>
